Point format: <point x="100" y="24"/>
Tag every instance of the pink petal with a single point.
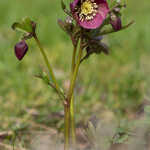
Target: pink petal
<point x="92" y="24"/>
<point x="103" y="9"/>
<point x="73" y="12"/>
<point x="74" y="3"/>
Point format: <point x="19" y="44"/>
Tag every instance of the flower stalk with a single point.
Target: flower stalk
<point x="72" y="121"/>
<point x="47" y="61"/>
<point x="73" y="79"/>
<point x="67" y="127"/>
<point x="72" y="116"/>
<point x="70" y="106"/>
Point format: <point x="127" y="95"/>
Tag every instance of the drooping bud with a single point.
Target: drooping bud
<point x="115" y="21"/>
<point x="21" y="49"/>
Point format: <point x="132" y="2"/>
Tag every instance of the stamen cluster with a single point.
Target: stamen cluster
<point x="86" y="10"/>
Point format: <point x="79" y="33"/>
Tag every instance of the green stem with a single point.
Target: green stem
<point x="75" y="73"/>
<point x="70" y="93"/>
<point x="47" y="62"/>
<point x="72" y="119"/>
<point x="67" y="127"/>
<point x="72" y="116"/>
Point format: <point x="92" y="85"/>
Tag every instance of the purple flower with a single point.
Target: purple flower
<point x="89" y="13"/>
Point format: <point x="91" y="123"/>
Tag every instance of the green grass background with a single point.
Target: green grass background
<point x="117" y="82"/>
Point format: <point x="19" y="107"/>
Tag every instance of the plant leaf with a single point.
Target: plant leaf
<point x="89" y="135"/>
<point x="18" y="27"/>
<point x="63" y="6"/>
<point x="91" y="129"/>
<point x="122" y="138"/>
<point x="101" y="47"/>
<point x="121" y="130"/>
<point x="61" y="24"/>
<point x="27" y="24"/>
<point x="48" y="79"/>
<point x="111" y="30"/>
<point x="115" y="3"/>
<point x="46" y="76"/>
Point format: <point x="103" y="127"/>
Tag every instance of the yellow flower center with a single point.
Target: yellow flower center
<point x="86" y="10"/>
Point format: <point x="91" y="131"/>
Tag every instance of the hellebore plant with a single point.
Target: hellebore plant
<point x="84" y="24"/>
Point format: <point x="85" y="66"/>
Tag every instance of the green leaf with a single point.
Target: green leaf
<point x="91" y="129"/>
<point x="88" y="138"/>
<point x="27" y="24"/>
<point x="118" y="4"/>
<point x="63" y="6"/>
<point x="116" y="137"/>
<point x="111" y="30"/>
<point x="122" y="138"/>
<point x="122" y="6"/>
<point x="18" y="27"/>
<point x="61" y="24"/>
<point x="121" y="130"/>
<point x="27" y="27"/>
<point x="46" y="79"/>
<point x="115" y="3"/>
<point x="88" y="135"/>
<point x="100" y="47"/>
<point x="46" y="76"/>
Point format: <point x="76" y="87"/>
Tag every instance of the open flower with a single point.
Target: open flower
<point x="89" y="13"/>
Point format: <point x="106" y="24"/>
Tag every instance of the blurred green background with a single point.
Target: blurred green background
<point x="117" y="82"/>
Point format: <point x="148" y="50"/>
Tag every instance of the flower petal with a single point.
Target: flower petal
<point x="91" y="24"/>
<point x="74" y="3"/>
<point x="103" y="8"/>
<point x="73" y="12"/>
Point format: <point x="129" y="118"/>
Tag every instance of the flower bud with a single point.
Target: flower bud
<point x="115" y="21"/>
<point x="21" y="49"/>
